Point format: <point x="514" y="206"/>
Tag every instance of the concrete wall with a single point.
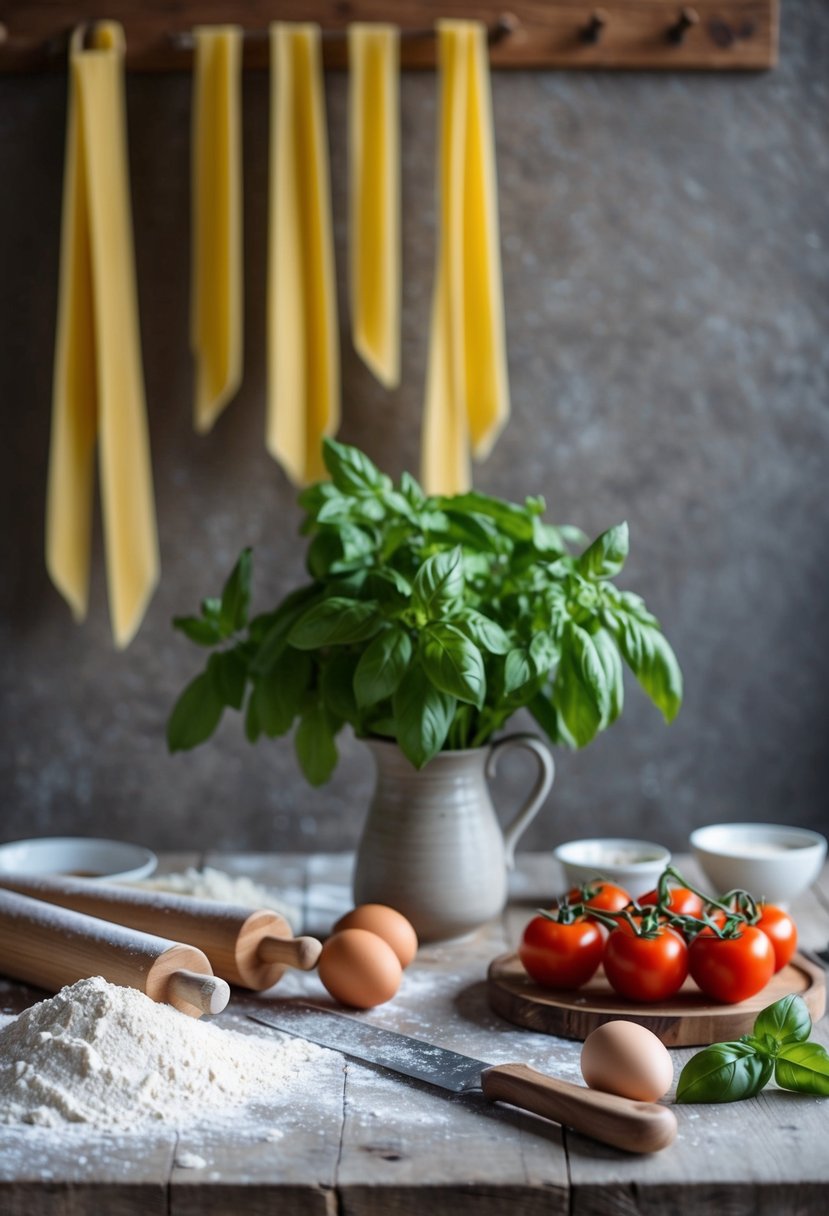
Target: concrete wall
<point x="665" y="246"/>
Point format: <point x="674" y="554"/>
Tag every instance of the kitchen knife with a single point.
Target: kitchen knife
<point x="639" y="1127"/>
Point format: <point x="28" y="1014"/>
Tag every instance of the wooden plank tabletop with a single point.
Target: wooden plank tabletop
<point x="363" y="1142"/>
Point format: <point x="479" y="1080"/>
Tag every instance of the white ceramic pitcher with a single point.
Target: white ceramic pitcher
<point x="432" y="846"/>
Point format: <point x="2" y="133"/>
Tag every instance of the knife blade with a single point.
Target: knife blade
<point x="639" y="1127"/>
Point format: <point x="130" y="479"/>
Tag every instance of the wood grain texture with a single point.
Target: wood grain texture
<point x="638" y="1127"/>
<point x="688" y="1019"/>
<point x="364" y="1142"/>
<point x="729" y="34"/>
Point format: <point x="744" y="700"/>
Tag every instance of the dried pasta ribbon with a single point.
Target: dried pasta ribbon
<point x="374" y="196"/>
<point x="303" y="341"/>
<point x="467" y="391"/>
<point x="216" y="308"/>
<point x="98" y="389"/>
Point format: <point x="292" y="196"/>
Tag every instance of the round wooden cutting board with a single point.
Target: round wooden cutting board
<point x="687" y="1020"/>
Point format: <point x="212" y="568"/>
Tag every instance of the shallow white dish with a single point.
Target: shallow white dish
<point x="770" y="860"/>
<point x="632" y="864"/>
<point x="82" y="856"/>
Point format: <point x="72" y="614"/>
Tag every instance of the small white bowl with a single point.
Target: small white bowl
<point x="771" y="861"/>
<point x="632" y="864"/>
<point x="81" y="856"/>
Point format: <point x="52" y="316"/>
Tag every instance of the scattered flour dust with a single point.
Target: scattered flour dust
<point x="209" y="883"/>
<point x="110" y="1058"/>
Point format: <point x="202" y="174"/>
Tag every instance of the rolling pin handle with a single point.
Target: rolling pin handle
<point x="300" y="952"/>
<point x="206" y="992"/>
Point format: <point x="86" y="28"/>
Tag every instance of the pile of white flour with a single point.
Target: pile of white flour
<point x="110" y="1057"/>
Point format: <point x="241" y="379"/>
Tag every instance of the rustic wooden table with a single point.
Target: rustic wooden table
<point x="368" y="1143"/>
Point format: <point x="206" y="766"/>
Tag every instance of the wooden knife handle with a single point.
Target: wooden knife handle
<point x="638" y="1127"/>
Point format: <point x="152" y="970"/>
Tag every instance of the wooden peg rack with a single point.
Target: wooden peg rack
<point x="659" y="35"/>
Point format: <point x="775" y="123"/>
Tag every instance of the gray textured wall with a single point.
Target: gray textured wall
<point x="665" y="246"/>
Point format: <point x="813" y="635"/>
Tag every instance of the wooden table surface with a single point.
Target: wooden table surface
<point x="362" y="1142"/>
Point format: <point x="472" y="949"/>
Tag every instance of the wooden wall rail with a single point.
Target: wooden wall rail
<point x="663" y="35"/>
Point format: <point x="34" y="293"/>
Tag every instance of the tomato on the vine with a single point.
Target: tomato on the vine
<point x="601" y="895"/>
<point x="731" y="969"/>
<point x="646" y="967"/>
<point x="781" y="930"/>
<point x="682" y="902"/>
<point x="557" y="954"/>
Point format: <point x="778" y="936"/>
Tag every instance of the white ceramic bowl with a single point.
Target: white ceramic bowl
<point x="771" y="861"/>
<point x="83" y="856"/>
<point x="632" y="864"/>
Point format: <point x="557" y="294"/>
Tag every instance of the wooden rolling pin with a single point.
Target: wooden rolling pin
<point x="49" y="947"/>
<point x="248" y="948"/>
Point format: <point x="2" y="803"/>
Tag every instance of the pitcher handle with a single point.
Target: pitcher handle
<point x="543" y="784"/>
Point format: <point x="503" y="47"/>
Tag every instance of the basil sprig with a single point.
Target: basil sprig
<point x="429" y="620"/>
<point x="727" y="1072"/>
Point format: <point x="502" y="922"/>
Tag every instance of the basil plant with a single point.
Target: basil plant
<point x="426" y="620"/>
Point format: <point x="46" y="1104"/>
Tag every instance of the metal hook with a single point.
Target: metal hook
<point x="592" y="32"/>
<point x="688" y="17"/>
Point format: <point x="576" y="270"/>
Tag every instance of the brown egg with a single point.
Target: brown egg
<point x="358" y="968"/>
<point x="387" y="923"/>
<point x="627" y="1059"/>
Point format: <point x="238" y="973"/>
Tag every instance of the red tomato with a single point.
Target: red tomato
<point x="605" y="896"/>
<point x="682" y="902"/>
<point x="646" y="968"/>
<point x="731" y="969"/>
<point x="781" y="930"/>
<point x="558" y="955"/>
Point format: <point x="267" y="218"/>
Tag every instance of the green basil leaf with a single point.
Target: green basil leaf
<point x="337" y="686"/>
<point x="315" y="746"/>
<point x="314" y="497"/>
<point x="279" y="625"/>
<point x="335" y="510"/>
<point x="438" y="584"/>
<point x="485" y="633"/>
<point x="581" y="693"/>
<point x="233" y="613"/>
<point x="335" y="621"/>
<point x="211" y="608"/>
<point x="228" y="670"/>
<point x="786" y="1021"/>
<point x="651" y="659"/>
<point x="412" y="490"/>
<point x="547" y="540"/>
<point x="512" y="520"/>
<point x="803" y="1067"/>
<point x="351" y="470"/>
<point x="423" y="715"/>
<point x="195" y="715"/>
<point x="453" y="663"/>
<point x="544" y="653"/>
<point x="280" y="692"/>
<point x="347" y="549"/>
<point x="382" y="666"/>
<point x="519" y="670"/>
<point x="389" y="588"/>
<point x="473" y="530"/>
<point x="606" y="556"/>
<point x="204" y="631"/>
<point x="253" y="726"/>
<point x="546" y="715"/>
<point x="724" y="1072"/>
<point x="611" y="661"/>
